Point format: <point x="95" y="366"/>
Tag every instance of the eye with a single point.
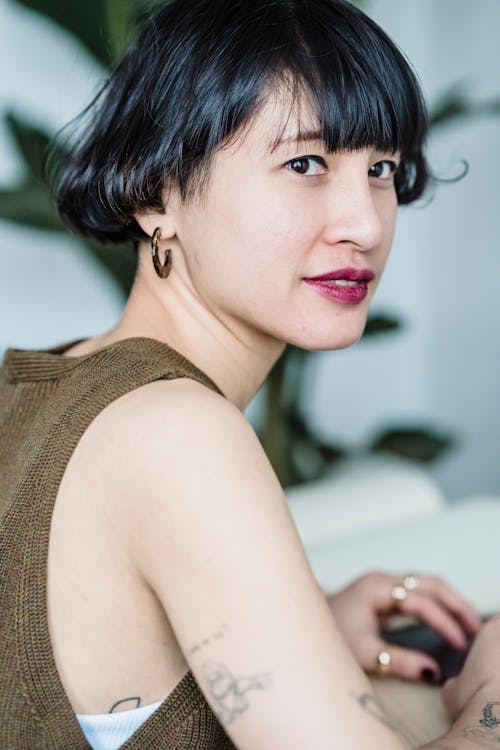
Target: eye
<point x="383" y="170"/>
<point x="310" y="166"/>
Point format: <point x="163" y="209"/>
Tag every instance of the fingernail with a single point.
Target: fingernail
<point x="429" y="676"/>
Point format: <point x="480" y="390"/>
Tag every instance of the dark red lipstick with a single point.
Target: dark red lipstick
<point x="346" y="285"/>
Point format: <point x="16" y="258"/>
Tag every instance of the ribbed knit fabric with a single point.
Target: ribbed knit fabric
<point x="46" y="403"/>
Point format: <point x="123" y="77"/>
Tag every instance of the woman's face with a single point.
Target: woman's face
<point x="289" y="242"/>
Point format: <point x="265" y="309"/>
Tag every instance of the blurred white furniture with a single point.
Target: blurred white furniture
<point x="388" y="514"/>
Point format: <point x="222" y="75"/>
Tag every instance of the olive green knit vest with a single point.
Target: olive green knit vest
<point x="46" y="403"/>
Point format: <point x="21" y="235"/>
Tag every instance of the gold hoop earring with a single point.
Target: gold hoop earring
<point x="162" y="269"/>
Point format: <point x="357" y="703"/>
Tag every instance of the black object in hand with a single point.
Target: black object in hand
<point x="424" y="638"/>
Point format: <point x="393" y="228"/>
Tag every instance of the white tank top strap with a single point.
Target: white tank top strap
<point x="111" y="731"/>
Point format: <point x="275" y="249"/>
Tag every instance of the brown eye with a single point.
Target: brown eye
<point x="300" y="166"/>
<point x="307" y="165"/>
<point x="383" y="170"/>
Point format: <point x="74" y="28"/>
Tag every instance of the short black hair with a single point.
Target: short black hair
<point x="198" y="73"/>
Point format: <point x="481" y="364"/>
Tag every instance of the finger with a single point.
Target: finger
<point x="454" y="602"/>
<point x="433" y="614"/>
<point x="405" y="663"/>
<point x="448" y="597"/>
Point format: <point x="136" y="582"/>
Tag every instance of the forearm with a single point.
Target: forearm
<point x="477" y="727"/>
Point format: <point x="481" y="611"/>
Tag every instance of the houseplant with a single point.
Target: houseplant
<point x="104" y="27"/>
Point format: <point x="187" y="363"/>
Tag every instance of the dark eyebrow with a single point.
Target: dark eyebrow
<point x="302" y="137"/>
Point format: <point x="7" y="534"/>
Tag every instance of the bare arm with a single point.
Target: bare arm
<point x="213" y="537"/>
<point x="211" y="534"/>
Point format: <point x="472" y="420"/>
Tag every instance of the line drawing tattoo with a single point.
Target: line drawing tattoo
<point x="369" y="704"/>
<point x="229" y="692"/>
<point x="207" y="641"/>
<point x="484" y="735"/>
<point x="135" y="702"/>
<point x="489" y="719"/>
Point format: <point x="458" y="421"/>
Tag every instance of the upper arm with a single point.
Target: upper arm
<point x="214" y="538"/>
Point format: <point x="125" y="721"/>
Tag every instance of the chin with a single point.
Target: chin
<point x="328" y="340"/>
<point x="329" y="333"/>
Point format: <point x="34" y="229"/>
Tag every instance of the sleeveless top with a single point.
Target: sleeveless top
<point x="46" y="403"/>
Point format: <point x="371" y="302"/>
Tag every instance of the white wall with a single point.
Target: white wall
<point x="443" y="280"/>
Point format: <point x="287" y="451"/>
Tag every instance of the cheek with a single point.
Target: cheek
<point x="388" y="215"/>
<point x="251" y="233"/>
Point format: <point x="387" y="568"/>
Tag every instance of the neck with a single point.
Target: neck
<point x="236" y="358"/>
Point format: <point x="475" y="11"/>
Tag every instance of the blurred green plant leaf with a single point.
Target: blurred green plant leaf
<point x="457" y="104"/>
<point x="29" y="205"/>
<point x="87" y="21"/>
<point x="417" y="444"/>
<point x="307" y="462"/>
<point x="32" y="143"/>
<point x="377" y="324"/>
<point x="449" y="108"/>
<point x="118" y="260"/>
<point x="122" y="17"/>
<point x="104" y="27"/>
<point x="311" y="459"/>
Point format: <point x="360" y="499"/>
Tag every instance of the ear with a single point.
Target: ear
<point x="149" y="221"/>
<point x="166" y="220"/>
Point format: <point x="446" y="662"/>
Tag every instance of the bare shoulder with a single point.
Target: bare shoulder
<point x="169" y="404"/>
<point x="190" y="472"/>
<point x="192" y="440"/>
<point x="182" y="415"/>
<point x="168" y="438"/>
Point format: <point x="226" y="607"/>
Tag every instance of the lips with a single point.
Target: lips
<point x="346" y="274"/>
<point x="348" y="286"/>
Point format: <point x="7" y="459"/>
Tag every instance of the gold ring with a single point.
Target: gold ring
<point x="383" y="664"/>
<point x="411" y="582"/>
<point x="399" y="592"/>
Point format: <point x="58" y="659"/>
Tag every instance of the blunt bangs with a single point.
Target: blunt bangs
<point x="199" y="74"/>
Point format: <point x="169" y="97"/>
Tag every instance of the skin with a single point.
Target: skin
<point x="362" y="607"/>
<point x="236" y="293"/>
<point x="124" y="629"/>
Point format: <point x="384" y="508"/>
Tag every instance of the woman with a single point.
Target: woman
<point x="155" y="592"/>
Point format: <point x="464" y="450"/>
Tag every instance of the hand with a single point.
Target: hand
<point x="481" y="668"/>
<point x="360" y="609"/>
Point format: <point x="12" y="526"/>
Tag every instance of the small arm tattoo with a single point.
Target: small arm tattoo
<point x="217" y="636"/>
<point x="489" y="720"/>
<point x="126" y="704"/>
<point x="485" y="734"/>
<point x="229" y="692"/>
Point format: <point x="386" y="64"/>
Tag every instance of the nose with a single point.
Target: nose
<point x="353" y="215"/>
